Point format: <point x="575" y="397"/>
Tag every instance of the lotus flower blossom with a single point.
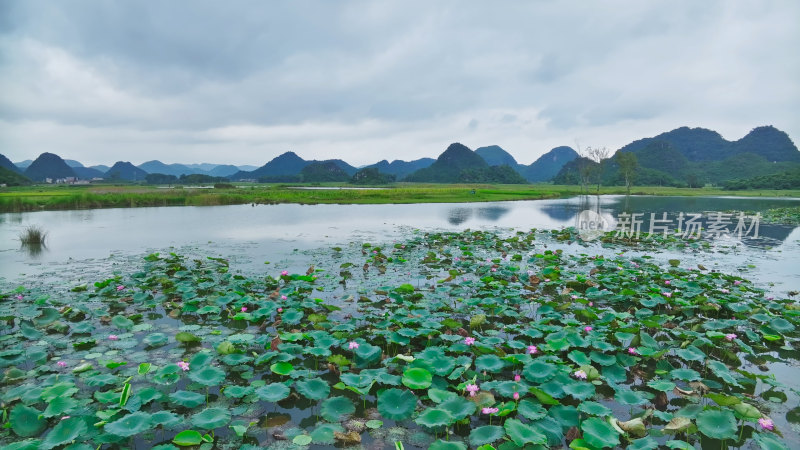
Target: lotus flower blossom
<point x="183" y="365"/>
<point x="730" y="336"/>
<point x="113" y="337"/>
<point x="591" y="303"/>
<point x="244" y="308"/>
<point x="737" y="282"/>
<point x="516" y="395"/>
<point x="284" y="273"/>
<point x="280" y="309"/>
<point x="494" y="269"/>
<point x="283" y="297"/>
<point x="725" y="291"/>
<point x="469" y="340"/>
<point x="19" y="297"/>
<point x="580" y="374"/>
<point x="353" y="345"/>
<point x="573" y="297"/>
<point x="766" y="423"/>
<point x="667" y="282"/>
<point x="61" y="364"/>
<point x="517" y="377"/>
<point x="472" y="389"/>
<point x="532" y="350"/>
<point x="490" y="410"/>
<point x="632" y="351"/>
<point x="65" y="418"/>
<point x="587" y="329"/>
<point x="120" y="287"/>
<point x="770" y="298"/>
<point x="667" y="294"/>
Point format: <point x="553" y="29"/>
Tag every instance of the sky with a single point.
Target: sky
<point x="241" y="82"/>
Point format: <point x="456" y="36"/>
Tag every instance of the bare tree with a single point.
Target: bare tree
<point x="598" y="155"/>
<point x="627" y="167"/>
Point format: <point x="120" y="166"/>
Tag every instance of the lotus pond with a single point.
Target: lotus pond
<point x="449" y="340"/>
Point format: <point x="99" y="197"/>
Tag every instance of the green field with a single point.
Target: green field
<point x="49" y="197"/>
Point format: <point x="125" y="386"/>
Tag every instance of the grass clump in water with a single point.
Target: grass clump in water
<point x="33" y="235"/>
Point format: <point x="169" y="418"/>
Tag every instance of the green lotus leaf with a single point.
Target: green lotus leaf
<point x="691" y="353"/>
<point x="489" y="363"/>
<point x="282" y="368"/>
<point x="188" y="438"/>
<point x="646" y="443"/>
<point x="207" y="375"/>
<point x="27" y="444"/>
<point x="211" y="418"/>
<point x="122" y="322"/>
<point x="566" y="415"/>
<point x="781" y="325"/>
<point x="746" y="411"/>
<point x="64" y="432"/>
<point x="25" y="421"/>
<point x="313" y="389"/>
<point x="148" y="395"/>
<point x="367" y="354"/>
<point x="523" y="434"/>
<point x="357" y="380"/>
<point x="165" y="419"/>
<point x="238" y="391"/>
<point x="129" y="425"/>
<point x="434" y="417"/>
<point x="155" y="340"/>
<point x="531" y="410"/>
<point x="440" y="395"/>
<point x="374" y="424"/>
<point x="685" y="374"/>
<point x="447" y="445"/>
<point x="682" y="445"/>
<point x="539" y="371"/>
<point x="335" y="409"/>
<point x="717" y="424"/>
<point x="396" y="404"/>
<point x="291" y="316"/>
<point x="324" y="433"/>
<point x="594" y="408"/>
<point x="722" y="371"/>
<point x="579" y="358"/>
<point x="236" y="359"/>
<point x="187" y="399"/>
<point x="599" y="433"/>
<point x="662" y="385"/>
<point x="320" y="352"/>
<point x="417" y="378"/>
<point x="169" y="374"/>
<point x="486" y="435"/>
<point x="769" y="442"/>
<point x="184" y="337"/>
<point x="273" y="392"/>
<point x="580" y="390"/>
<point x="628" y="397"/>
<point x="602" y="358"/>
<point x="60" y="406"/>
<point x="101" y="380"/>
<point x="62" y="389"/>
<point x="458" y="407"/>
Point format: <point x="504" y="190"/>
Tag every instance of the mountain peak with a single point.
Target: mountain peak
<point x="494" y="155"/>
<point x="49" y="165"/>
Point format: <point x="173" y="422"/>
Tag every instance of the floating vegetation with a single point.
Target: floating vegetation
<point x="443" y="341"/>
<point x="33" y="235"/>
<point x="783" y="216"/>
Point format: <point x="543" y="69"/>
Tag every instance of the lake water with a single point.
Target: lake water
<point x="252" y="235"/>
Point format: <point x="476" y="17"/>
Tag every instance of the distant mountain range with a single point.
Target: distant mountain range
<point x="684" y="156"/>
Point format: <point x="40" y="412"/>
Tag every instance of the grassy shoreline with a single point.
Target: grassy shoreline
<point x="49" y="197"/>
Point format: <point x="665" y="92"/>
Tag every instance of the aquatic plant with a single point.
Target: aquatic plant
<point x="33" y="235"/>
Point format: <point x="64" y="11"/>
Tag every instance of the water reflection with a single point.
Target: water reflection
<point x="457" y="216"/>
<point x="33" y="250"/>
<point x="493" y="213"/>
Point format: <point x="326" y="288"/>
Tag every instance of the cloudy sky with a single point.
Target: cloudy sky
<point x="243" y="81"/>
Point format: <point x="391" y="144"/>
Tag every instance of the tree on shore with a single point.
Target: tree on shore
<point x="627" y="168"/>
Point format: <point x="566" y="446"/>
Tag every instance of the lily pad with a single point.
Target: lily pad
<point x="417" y="378"/>
<point x="25" y="421"/>
<point x="273" y="392"/>
<point x="313" y="389"/>
<point x="599" y="433"/>
<point x="396" y="404"/>
<point x="187" y="399"/>
<point x="486" y="435"/>
<point x="335" y="409"/>
<point x="523" y="434"/>
<point x="717" y="424"/>
<point x="434" y="417"/>
<point x="207" y="375"/>
<point x="129" y="425"/>
<point x="211" y="418"/>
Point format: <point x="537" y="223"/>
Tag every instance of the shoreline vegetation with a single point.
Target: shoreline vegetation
<point x="48" y="197"/>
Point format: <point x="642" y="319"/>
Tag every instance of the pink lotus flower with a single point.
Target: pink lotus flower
<point x="573" y="297"/>
<point x="284" y="273"/>
<point x="472" y="389"/>
<point x="730" y="336"/>
<point x="517" y="377"/>
<point x="770" y="298"/>
<point x="587" y="329"/>
<point x="532" y="350"/>
<point x="766" y="423"/>
<point x="183" y="365"/>
<point x="516" y="395"/>
<point x="591" y="303"/>
<point x="632" y="351"/>
<point x="280" y="309"/>
<point x="120" y="287"/>
<point x="530" y="272"/>
<point x="469" y="340"/>
<point x="353" y="345"/>
<point x="667" y="294"/>
<point x="61" y="364"/>
<point x="580" y="374"/>
<point x="19" y="297"/>
<point x="490" y="410"/>
<point x="283" y="297"/>
<point x="494" y="269"/>
<point x="244" y="308"/>
<point x="667" y="282"/>
<point x="113" y="337"/>
<point x="65" y="418"/>
<point x="724" y="291"/>
<point x="737" y="282"/>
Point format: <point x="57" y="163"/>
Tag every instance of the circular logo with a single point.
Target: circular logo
<point x="591" y="225"/>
